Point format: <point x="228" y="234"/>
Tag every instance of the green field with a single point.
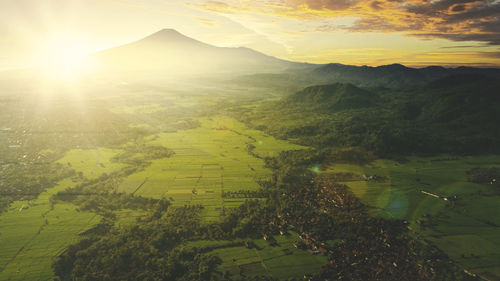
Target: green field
<point x="281" y="261"/>
<point x="91" y="162"/>
<point x="223" y="155"/>
<point x="466" y="229"/>
<point x="208" y="160"/>
<point x="32" y="233"/>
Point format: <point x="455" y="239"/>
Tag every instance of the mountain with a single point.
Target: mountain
<point x="333" y="97"/>
<point x="168" y="51"/>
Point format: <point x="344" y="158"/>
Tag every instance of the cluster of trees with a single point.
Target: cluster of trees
<point x="140" y="154"/>
<point x="351" y="155"/>
<point x="99" y="195"/>
<point x="244" y="194"/>
<point x="251" y="152"/>
<point x="484" y="175"/>
<point x="26" y="182"/>
<point x="147" y="251"/>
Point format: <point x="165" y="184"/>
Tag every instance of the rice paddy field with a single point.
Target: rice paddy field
<point x="33" y="232"/>
<point x="467" y="228"/>
<point x="223" y="155"/>
<point x="208" y="160"/>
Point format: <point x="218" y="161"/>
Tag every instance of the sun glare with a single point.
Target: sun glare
<point x="62" y="58"/>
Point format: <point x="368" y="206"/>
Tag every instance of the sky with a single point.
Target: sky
<point x="360" y="32"/>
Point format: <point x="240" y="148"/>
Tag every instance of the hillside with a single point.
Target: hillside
<point x="461" y="97"/>
<point x="452" y="115"/>
<point x="334" y="97"/>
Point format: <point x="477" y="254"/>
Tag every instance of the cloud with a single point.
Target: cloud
<point x="330" y="4"/>
<point x="415" y="58"/>
<point x="456" y="20"/>
<point x="206" y="22"/>
<point x="459" y="47"/>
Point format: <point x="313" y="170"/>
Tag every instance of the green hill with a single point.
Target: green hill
<point x="457" y="114"/>
<point x="462" y="98"/>
<point x="334" y="97"/>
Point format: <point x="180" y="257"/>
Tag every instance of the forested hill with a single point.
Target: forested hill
<point x="336" y="96"/>
<point x="456" y="114"/>
<point x="472" y="100"/>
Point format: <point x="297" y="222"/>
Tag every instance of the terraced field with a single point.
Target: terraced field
<point x="467" y="229"/>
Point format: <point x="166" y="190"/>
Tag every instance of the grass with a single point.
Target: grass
<point x="91" y="162"/>
<point x="460" y="229"/>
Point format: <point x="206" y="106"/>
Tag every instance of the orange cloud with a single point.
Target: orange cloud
<point x="375" y="57"/>
<point x="457" y="20"/>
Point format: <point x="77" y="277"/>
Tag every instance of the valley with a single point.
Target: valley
<point x="154" y="169"/>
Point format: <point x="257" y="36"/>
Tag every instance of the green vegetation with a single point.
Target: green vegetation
<point x="28" y="228"/>
<point x="96" y="177"/>
<point x="484" y="175"/>
<point x="90" y="163"/>
<point x="468" y="216"/>
<point x="453" y="115"/>
<point x="281" y="260"/>
<point x="335" y="97"/>
<point x="230" y="182"/>
<point x="209" y="161"/>
<point x="37" y="178"/>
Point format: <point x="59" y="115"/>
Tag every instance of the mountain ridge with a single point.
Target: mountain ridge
<point x="392" y="75"/>
<point x="171" y="52"/>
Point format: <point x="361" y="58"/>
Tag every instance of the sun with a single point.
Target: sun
<point x="62" y="57"/>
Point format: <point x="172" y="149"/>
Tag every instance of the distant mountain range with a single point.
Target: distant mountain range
<point x="392" y="75"/>
<point x="169" y="52"/>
